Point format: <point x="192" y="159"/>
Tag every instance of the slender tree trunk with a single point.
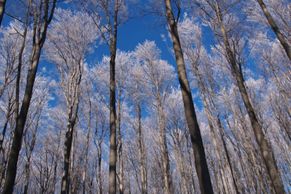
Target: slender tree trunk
<point x="55" y="176"/>
<point x="221" y="131"/>
<point x="218" y="174"/>
<point x="72" y="182"/>
<point x="2" y="151"/>
<point x="221" y="186"/>
<point x="71" y="135"/>
<point x="3" y="133"/>
<point x="86" y="158"/>
<point x="113" y="146"/>
<point x="113" y="149"/>
<point x="275" y="28"/>
<point x="28" y="162"/>
<point x="17" y="77"/>
<point x="100" y="169"/>
<point x="168" y="184"/>
<point x="191" y="168"/>
<point x="19" y="66"/>
<point x="121" y="183"/>
<point x="55" y="163"/>
<point x="196" y="139"/>
<point x="180" y="163"/>
<point x="142" y="154"/>
<point x="20" y="123"/>
<point x="39" y="40"/>
<point x="87" y="145"/>
<point x="65" y="184"/>
<point x="119" y="145"/>
<point x="2" y="10"/>
<point x="129" y="185"/>
<point x="211" y="110"/>
<point x="264" y="145"/>
<point x="27" y="176"/>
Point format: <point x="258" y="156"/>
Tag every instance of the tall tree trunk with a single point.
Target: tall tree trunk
<point x="28" y="162"/>
<point x="192" y="168"/>
<point x="3" y="133"/>
<point x="180" y="162"/>
<point x="211" y="110"/>
<point x="218" y="174"/>
<point x="168" y="184"/>
<point x="27" y="177"/>
<point x="2" y="10"/>
<point x="55" y="163"/>
<point x="20" y="56"/>
<point x="39" y="39"/>
<point x="100" y="168"/>
<point x="27" y="170"/>
<point x="196" y="139"/>
<point x="275" y="28"/>
<point x="119" y="145"/>
<point x="55" y="175"/>
<point x="86" y="156"/>
<point x="113" y="147"/>
<point x="264" y="145"/>
<point x="221" y="132"/>
<point x="72" y="177"/>
<point x="142" y="154"/>
<point x="20" y="123"/>
<point x="74" y="79"/>
<point x="87" y="145"/>
<point x="65" y="184"/>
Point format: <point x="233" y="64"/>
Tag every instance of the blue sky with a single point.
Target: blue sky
<point x="134" y="31"/>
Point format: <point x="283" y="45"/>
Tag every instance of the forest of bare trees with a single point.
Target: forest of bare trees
<point x="145" y="96"/>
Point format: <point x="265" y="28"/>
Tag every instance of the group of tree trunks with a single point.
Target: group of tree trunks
<point x="41" y="20"/>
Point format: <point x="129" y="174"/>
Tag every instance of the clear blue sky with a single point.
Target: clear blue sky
<point x="134" y="31"/>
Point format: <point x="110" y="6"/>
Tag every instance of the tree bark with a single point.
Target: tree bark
<point x="196" y="139"/>
<point x="119" y="145"/>
<point x="275" y="28"/>
<point x="142" y="154"/>
<point x="264" y="145"/>
<point x="65" y="185"/>
<point x="87" y="142"/>
<point x="73" y="107"/>
<point x="2" y="10"/>
<point x="100" y="168"/>
<point x="113" y="146"/>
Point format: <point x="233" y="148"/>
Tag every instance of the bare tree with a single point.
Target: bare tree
<point x="43" y="15"/>
<point x="135" y="93"/>
<point x="198" y="148"/>
<point x="124" y="123"/>
<point x="200" y="65"/>
<point x="275" y="28"/>
<point x="113" y="146"/>
<point x="263" y="143"/>
<point x="110" y="14"/>
<point x="68" y="47"/>
<point x="232" y="53"/>
<point x="143" y="170"/>
<point x="30" y="133"/>
<point x="156" y="77"/>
